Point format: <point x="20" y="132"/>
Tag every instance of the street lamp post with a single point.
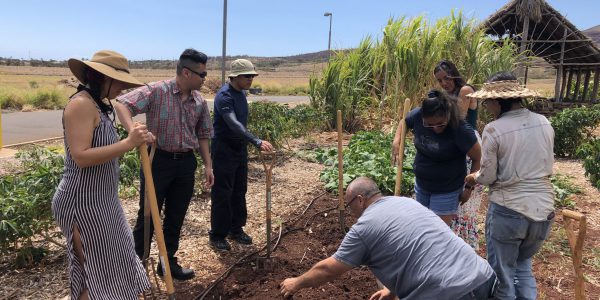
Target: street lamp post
<point x="330" y="15"/>
<point x="224" y="42"/>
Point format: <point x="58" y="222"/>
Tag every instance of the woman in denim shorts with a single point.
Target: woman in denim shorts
<point x="442" y="140"/>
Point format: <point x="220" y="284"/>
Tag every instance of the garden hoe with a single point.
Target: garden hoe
<point x="400" y="157"/>
<point x="268" y="160"/>
<point x="150" y="201"/>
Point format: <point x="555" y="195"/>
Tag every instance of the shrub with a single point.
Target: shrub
<point x="573" y="127"/>
<point x="590" y="152"/>
<point x="11" y="101"/>
<point x="563" y="191"/>
<point x="306" y="120"/>
<point x="368" y="154"/>
<point x="212" y="84"/>
<point x="278" y="123"/>
<point x="25" y="209"/>
<point x="46" y="99"/>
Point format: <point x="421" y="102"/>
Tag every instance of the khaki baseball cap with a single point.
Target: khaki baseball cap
<point x="241" y="67"/>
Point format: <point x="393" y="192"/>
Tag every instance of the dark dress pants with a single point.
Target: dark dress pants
<point x="228" y="212"/>
<point x="174" y="184"/>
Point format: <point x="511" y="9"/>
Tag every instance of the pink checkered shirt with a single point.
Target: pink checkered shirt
<point x="177" y="124"/>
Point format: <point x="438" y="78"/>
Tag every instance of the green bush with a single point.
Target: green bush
<point x="368" y="154"/>
<point x="563" y="191"/>
<point x="46" y="100"/>
<point x="25" y="209"/>
<point x="278" y="123"/>
<point x="573" y="127"/>
<point x="590" y="152"/>
<point x="11" y="101"/>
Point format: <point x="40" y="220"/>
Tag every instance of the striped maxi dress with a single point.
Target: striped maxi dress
<point x="88" y="199"/>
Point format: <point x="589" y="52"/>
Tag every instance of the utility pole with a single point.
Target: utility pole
<point x="224" y="42"/>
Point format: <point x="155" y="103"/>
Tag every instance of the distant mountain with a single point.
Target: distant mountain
<point x="594" y="34"/>
<point x="214" y="62"/>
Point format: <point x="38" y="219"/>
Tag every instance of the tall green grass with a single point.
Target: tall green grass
<point x="377" y="76"/>
<point x="28" y="98"/>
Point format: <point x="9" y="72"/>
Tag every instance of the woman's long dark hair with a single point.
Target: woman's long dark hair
<point x="441" y="104"/>
<point x="93" y="85"/>
<point x="450" y="69"/>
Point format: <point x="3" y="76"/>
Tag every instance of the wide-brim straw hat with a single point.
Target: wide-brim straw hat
<point x="506" y="89"/>
<point x="107" y="62"/>
<point x="241" y="67"/>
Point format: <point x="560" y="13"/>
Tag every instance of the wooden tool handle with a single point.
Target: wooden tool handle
<point x="160" y="239"/>
<point x="398" y="186"/>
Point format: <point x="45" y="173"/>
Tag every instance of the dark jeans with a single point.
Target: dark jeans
<point x="486" y="290"/>
<point x="173" y="176"/>
<point x="228" y="195"/>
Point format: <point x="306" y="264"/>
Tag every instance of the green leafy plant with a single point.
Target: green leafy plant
<point x="590" y="152"/>
<point x="278" y="123"/>
<point x="564" y="191"/>
<point x="368" y="154"/>
<point x="25" y="209"/>
<point x="573" y="127"/>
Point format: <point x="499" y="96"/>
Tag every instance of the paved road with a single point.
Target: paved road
<point x="21" y="127"/>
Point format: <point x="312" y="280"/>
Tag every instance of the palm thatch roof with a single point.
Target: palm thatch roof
<point x="547" y="30"/>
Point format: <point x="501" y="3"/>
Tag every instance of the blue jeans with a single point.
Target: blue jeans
<point x="512" y="239"/>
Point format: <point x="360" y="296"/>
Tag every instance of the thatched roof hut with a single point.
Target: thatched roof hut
<point x="545" y="33"/>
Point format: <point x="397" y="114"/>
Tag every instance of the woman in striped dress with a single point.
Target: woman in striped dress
<point x="100" y="250"/>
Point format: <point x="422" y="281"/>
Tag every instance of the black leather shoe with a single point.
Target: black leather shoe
<point x="220" y="244"/>
<point x="177" y="271"/>
<point x="241" y="238"/>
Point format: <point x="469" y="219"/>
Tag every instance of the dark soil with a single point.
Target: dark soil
<point x="296" y="253"/>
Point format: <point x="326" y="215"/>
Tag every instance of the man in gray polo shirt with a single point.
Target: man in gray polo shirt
<point x="408" y="248"/>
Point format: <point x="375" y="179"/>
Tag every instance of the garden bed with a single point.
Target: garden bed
<point x="296" y="184"/>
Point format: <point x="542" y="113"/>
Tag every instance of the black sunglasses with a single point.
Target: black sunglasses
<point x="202" y="75"/>
<point x="249" y="76"/>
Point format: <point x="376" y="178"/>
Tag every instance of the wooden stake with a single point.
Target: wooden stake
<point x="576" y="245"/>
<point x="340" y="171"/>
<point x="160" y="238"/>
<point x="400" y="159"/>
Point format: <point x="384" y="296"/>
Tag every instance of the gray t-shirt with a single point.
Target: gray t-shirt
<point x="412" y="251"/>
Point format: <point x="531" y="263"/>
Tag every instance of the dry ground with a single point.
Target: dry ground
<point x="295" y="184"/>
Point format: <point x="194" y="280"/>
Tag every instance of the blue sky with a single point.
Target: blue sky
<point x="59" y="29"/>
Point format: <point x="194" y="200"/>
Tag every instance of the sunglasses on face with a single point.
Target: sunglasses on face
<point x="248" y="76"/>
<point x="434" y="126"/>
<point x="201" y="74"/>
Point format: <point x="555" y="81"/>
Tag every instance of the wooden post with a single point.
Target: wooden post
<point x="577" y="83"/>
<point x="568" y="94"/>
<point x="586" y="85"/>
<point x="559" y="73"/>
<point x="400" y="159"/>
<point x="340" y="171"/>
<point x="595" y="89"/>
<point x="160" y="238"/>
<point x="576" y="245"/>
<point x="563" y="85"/>
<point x="523" y="45"/>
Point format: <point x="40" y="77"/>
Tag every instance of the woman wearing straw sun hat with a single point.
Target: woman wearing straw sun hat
<point x="100" y="249"/>
<point x="516" y="165"/>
